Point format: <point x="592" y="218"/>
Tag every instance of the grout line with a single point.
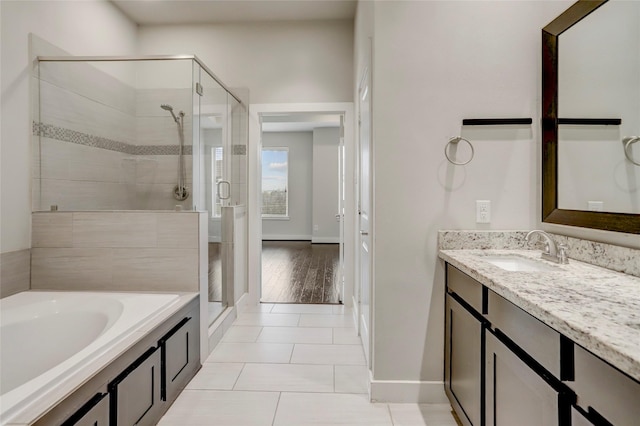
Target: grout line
<point x="258" y="335"/>
<point x="275" y="413"/>
<point x="390" y="415"/>
<point x="334" y="378"/>
<point x="292" y="349"/>
<point x="238" y="378"/>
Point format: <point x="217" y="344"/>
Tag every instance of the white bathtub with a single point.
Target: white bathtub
<point x="46" y="336"/>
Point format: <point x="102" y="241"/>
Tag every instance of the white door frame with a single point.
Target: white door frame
<point x="255" y="221"/>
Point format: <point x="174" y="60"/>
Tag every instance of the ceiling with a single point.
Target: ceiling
<point x="163" y="12"/>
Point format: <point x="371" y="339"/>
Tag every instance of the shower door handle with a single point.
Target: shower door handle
<point x="219" y="189"/>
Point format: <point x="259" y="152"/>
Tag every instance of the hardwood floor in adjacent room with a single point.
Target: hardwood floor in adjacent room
<point x="300" y="272"/>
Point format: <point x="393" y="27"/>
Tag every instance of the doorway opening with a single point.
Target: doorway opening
<point x="302" y="208"/>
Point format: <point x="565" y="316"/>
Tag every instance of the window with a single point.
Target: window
<point x="216" y="176"/>
<point x="275" y="182"/>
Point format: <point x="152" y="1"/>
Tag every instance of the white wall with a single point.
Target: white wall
<point x="325" y="185"/>
<point x="298" y="226"/>
<point x="279" y="62"/>
<point x="79" y="27"/>
<point x="428" y="75"/>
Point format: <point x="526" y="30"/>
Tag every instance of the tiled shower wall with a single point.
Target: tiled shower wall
<point x="103" y="144"/>
<point x="15" y="270"/>
<point x="121" y="251"/>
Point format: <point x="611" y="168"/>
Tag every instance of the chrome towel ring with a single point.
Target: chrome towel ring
<point x="628" y="141"/>
<point x="455" y="140"/>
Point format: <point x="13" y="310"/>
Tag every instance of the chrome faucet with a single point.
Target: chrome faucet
<point x="551" y="252"/>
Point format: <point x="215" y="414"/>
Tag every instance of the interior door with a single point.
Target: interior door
<point x="364" y="210"/>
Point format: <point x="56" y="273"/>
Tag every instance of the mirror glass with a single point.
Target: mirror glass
<point x="599" y="77"/>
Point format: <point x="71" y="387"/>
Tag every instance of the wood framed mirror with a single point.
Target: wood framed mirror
<point x="552" y="212"/>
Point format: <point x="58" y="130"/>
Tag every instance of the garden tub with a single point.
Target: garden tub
<point x="45" y="336"/>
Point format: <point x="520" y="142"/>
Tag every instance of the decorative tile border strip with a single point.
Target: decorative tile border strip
<point x="616" y="258"/>
<point x="73" y="136"/>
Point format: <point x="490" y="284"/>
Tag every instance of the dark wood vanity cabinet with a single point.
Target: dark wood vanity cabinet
<point x="517" y="394"/>
<point x="464" y="358"/>
<point x="504" y="367"/>
<point x="489" y="378"/>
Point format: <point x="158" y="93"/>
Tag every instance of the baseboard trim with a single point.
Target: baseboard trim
<point x="408" y="391"/>
<point x="286" y="237"/>
<point x="325" y="240"/>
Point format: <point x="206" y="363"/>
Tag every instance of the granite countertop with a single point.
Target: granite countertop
<point x="597" y="308"/>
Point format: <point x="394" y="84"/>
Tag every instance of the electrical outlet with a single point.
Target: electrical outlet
<point x="483" y="211"/>
<point x="595" y="206"/>
<point x="315" y="227"/>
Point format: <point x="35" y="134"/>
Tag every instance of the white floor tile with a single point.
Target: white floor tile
<point x="260" y="307"/>
<point x="345" y="336"/>
<point x="320" y="320"/>
<point x="285" y="308"/>
<point x="268" y="319"/>
<point x="422" y="414"/>
<point x="328" y="354"/>
<point x="352" y="379"/>
<point x="229" y="408"/>
<point x="341" y="309"/>
<point x="286" y="377"/>
<point x="218" y="376"/>
<point x="329" y="409"/>
<point x="296" y="335"/>
<point x="242" y="333"/>
<point x="251" y="352"/>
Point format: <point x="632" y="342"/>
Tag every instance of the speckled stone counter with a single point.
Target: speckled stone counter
<point x="595" y="307"/>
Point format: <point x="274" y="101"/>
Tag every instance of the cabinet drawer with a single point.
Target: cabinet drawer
<point x="466" y="287"/>
<point x="537" y="339"/>
<point x="606" y="390"/>
<point x="135" y="394"/>
<point x="180" y="357"/>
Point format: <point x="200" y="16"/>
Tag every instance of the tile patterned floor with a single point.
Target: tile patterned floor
<point x="291" y="365"/>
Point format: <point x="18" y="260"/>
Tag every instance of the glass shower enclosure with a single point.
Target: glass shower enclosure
<point x="143" y="133"/>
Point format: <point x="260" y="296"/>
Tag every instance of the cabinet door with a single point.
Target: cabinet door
<point x="180" y="357"/>
<point x="515" y="394"/>
<point x="135" y="394"/>
<point x="94" y="413"/>
<point x="463" y="362"/>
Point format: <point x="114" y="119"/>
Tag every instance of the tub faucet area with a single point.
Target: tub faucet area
<point x="551" y="252"/>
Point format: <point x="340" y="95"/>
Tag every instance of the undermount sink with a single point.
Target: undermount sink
<point x="518" y="264"/>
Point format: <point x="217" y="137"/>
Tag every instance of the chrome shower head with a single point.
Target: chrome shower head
<point x="169" y="108"/>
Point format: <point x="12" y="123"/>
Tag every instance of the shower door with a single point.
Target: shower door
<point x="222" y="168"/>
